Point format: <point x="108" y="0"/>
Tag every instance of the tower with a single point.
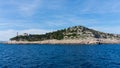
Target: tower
<point x="17" y="34"/>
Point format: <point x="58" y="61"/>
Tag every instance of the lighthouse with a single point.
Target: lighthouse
<point x="17" y="34"/>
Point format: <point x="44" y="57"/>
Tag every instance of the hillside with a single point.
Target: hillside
<point x="76" y="32"/>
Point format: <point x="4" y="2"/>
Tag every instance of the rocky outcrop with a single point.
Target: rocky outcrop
<point x="71" y="35"/>
<point x="76" y="32"/>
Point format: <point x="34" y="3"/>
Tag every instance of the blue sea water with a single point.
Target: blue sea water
<point x="60" y="56"/>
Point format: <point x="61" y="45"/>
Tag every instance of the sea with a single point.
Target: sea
<point x="60" y="56"/>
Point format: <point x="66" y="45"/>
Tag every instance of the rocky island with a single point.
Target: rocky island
<point x="71" y="35"/>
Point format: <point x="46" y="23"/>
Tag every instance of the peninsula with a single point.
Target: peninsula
<point x="71" y="35"/>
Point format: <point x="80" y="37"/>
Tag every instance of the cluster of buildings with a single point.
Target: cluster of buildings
<point x="24" y="34"/>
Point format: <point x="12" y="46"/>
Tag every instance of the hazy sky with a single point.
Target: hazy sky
<point x="40" y="16"/>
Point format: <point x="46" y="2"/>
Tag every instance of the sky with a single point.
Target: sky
<point x="41" y="16"/>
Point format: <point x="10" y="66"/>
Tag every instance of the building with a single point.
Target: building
<point x="25" y="34"/>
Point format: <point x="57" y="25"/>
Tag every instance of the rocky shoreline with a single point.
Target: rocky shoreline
<point x="72" y="41"/>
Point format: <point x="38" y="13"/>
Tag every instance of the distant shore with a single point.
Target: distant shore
<point x="71" y="41"/>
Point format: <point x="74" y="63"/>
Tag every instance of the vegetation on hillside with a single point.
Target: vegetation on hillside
<point x="76" y="32"/>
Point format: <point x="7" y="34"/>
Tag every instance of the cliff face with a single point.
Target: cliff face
<point x="76" y="32"/>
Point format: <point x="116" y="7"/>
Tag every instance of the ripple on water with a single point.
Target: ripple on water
<point x="59" y="56"/>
